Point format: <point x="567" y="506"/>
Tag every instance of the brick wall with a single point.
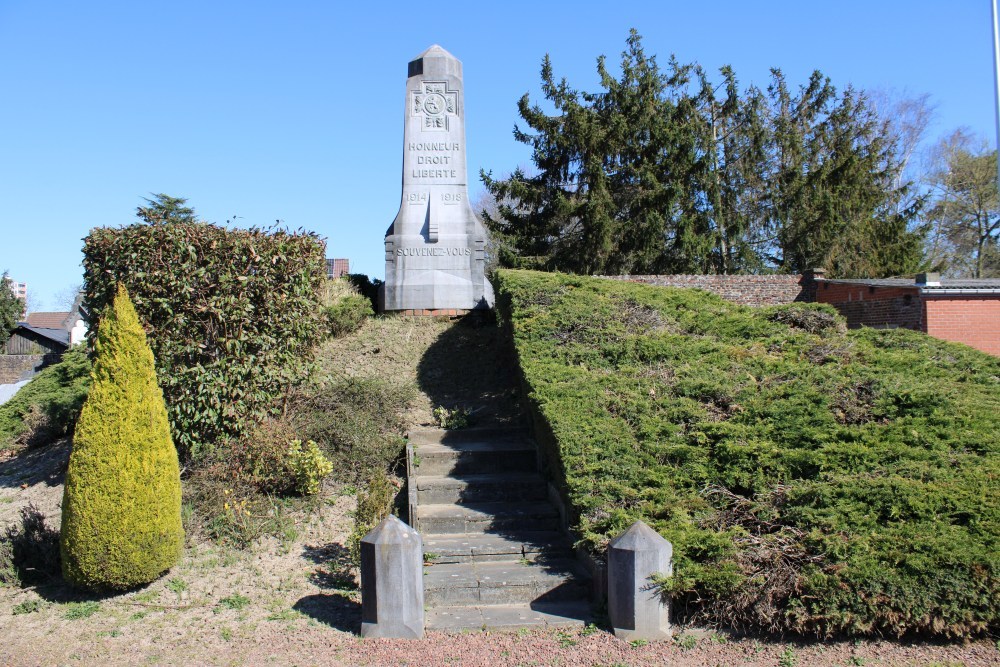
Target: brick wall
<point x="17" y="367"/>
<point x="970" y="319"/>
<point x="882" y="307"/>
<point x="747" y="290"/>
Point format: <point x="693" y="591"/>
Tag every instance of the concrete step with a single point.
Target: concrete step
<point x="474" y="457"/>
<point x="572" y="613"/>
<point x="499" y="517"/>
<point x="427" y="435"/>
<point x="501" y="583"/>
<point x="464" y="548"/>
<point x="484" y="487"/>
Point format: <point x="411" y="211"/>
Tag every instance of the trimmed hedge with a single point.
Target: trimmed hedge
<point x="121" y="521"/>
<point x="811" y="479"/>
<point x="231" y="316"/>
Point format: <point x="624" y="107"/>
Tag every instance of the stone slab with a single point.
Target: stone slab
<point x="527" y="545"/>
<point x="484" y="517"/>
<point x="480" y="487"/>
<point x="510" y="617"/>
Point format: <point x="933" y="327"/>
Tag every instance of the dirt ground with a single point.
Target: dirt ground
<point x="295" y="602"/>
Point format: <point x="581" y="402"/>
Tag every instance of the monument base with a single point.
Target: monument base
<point x="433" y="312"/>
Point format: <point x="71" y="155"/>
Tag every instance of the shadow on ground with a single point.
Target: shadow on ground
<point x="335" y="571"/>
<point x="36" y="466"/>
<point x="471" y="366"/>
<point x="336" y="610"/>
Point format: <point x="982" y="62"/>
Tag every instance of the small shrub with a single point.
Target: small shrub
<point x="308" y="465"/>
<point x="374" y="504"/>
<point x="788" y="658"/>
<point x="235" y="602"/>
<point x="455" y="418"/>
<point x="368" y="287"/>
<point x="29" y="553"/>
<point x="121" y="522"/>
<point x="75" y="611"/>
<point x="26" y="607"/>
<point x="344" y="308"/>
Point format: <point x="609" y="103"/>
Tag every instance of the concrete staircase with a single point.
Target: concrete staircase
<point x="494" y="551"/>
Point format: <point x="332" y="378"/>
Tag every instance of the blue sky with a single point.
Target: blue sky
<point x="294" y="110"/>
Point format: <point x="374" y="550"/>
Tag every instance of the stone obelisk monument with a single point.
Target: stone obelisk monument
<point x="435" y="248"/>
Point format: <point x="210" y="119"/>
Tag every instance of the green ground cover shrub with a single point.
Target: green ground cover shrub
<point x="47" y="407"/>
<point x="121" y="521"/>
<point x="811" y="479"/>
<point x="231" y="314"/>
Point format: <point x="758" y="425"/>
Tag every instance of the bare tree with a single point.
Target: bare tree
<point x="66" y="297"/>
<point x="965" y="211"/>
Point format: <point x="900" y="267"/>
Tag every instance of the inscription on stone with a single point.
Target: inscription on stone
<point x="434" y="256"/>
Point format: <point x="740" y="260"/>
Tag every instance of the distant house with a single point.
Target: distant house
<point x="337" y="268"/>
<point x="962" y="310"/>
<point x="26" y="339"/>
<point x="49" y="332"/>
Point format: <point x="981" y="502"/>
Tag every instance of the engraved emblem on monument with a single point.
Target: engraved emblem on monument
<point x="435" y="103"/>
<point x="435" y="248"/>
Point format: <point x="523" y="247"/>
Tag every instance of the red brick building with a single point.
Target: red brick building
<point x="337" y="268"/>
<point x="961" y="310"/>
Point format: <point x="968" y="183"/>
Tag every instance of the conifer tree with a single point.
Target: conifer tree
<point x="11" y="308"/>
<point x="121" y="522"/>
<point x="664" y="172"/>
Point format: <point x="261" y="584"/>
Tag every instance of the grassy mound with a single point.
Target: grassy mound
<point x="811" y="479"/>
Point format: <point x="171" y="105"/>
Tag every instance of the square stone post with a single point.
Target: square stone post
<point x="392" y="581"/>
<point x="634" y="604"/>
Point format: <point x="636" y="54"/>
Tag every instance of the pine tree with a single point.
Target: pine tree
<point x="121" y="522"/>
<point x="664" y="172"/>
<point x="11" y="308"/>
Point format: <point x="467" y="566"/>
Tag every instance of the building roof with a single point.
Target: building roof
<point x="337" y="268"/>
<point x="47" y="320"/>
<point x="60" y="336"/>
<point x="943" y="285"/>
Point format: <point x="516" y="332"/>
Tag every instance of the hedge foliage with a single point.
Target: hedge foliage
<point x="231" y="316"/>
<point x="811" y="479"/>
<point x="121" y="521"/>
<point x="48" y="406"/>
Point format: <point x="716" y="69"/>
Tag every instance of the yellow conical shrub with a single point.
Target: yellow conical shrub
<point x="121" y="522"/>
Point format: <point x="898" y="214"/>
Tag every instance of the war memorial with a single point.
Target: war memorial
<point x="435" y="248"/>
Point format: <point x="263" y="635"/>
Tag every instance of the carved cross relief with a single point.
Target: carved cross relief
<point x="435" y="103"/>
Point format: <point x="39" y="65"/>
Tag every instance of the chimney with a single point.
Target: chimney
<point x="813" y="274"/>
<point x="930" y="279"/>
